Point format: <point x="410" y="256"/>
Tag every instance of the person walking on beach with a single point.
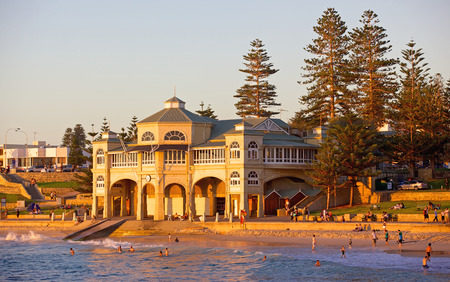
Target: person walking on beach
<point x="386" y="236"/>
<point x="313" y="242"/>
<point x="374" y="238"/>
<point x="435" y="215"/>
<point x="400" y="238"/>
<point x="428" y="251"/>
<point x="424" y="262"/>
<point x="343" y="252"/>
<point x="72" y="252"/>
<point x="443" y="216"/>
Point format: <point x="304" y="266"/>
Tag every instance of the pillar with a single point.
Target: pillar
<point x="260" y="212"/>
<point x="94" y="205"/>
<point x="243" y="202"/>
<point x="227" y="205"/>
<point x="123" y="202"/>
<point x="140" y="200"/>
<point x="107" y="197"/>
<point x="159" y="206"/>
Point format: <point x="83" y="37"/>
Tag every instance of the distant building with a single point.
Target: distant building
<point x="184" y="163"/>
<point x="37" y="154"/>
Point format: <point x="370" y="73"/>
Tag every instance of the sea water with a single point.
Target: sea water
<point x="33" y="256"/>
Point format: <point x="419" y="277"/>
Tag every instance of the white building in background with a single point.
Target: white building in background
<point x="37" y="154"/>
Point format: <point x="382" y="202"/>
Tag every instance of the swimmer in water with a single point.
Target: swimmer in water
<point x="119" y="249"/>
<point x="167" y="252"/>
<point x="342" y="252"/>
<point x="176" y="240"/>
<point x="72" y="252"/>
<point x="264" y="259"/>
<point x="317" y="263"/>
<point x="131" y="250"/>
<point x="160" y="253"/>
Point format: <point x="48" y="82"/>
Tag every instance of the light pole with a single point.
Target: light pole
<point x="26" y="147"/>
<point x="6" y="142"/>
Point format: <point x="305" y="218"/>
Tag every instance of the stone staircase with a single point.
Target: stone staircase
<point x="32" y="190"/>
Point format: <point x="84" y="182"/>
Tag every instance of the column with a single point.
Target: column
<point x="260" y="212"/>
<point x="243" y="202"/>
<point x="140" y="199"/>
<point x="227" y="205"/>
<point x="94" y="206"/>
<point x="123" y="202"/>
<point x="107" y="199"/>
<point x="159" y="206"/>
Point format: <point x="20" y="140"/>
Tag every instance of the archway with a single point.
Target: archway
<point x="284" y="192"/>
<point x="123" y="194"/>
<point x="209" y="196"/>
<point x="174" y="199"/>
<point x="149" y="200"/>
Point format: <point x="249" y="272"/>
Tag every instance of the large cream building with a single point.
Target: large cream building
<point x="184" y="164"/>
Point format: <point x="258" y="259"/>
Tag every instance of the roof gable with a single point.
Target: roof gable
<point x="269" y="125"/>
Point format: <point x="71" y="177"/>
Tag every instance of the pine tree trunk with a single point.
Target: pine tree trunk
<point x="351" y="192"/>
<point x="328" y="197"/>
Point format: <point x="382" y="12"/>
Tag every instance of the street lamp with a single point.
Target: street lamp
<point x="6" y="142"/>
<point x="26" y="147"/>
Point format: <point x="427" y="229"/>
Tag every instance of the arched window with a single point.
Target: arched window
<point x="100" y="183"/>
<point x="253" y="178"/>
<point x="148" y="136"/>
<point x="235" y="180"/>
<point x="100" y="157"/>
<point x="174" y="136"/>
<point x="252" y="150"/>
<point x="235" y="152"/>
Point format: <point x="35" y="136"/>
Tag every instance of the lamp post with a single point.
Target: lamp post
<point x="6" y="142"/>
<point x="26" y="147"/>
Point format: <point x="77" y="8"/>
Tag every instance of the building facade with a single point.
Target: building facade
<point x="186" y="164"/>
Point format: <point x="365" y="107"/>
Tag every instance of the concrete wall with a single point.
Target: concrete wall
<point x="13" y="188"/>
<point x="48" y="176"/>
<point x="414" y="196"/>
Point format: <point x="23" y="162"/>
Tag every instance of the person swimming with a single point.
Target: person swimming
<point x="350" y="243"/>
<point x="264" y="258"/>
<point x="160" y="253"/>
<point x="317" y="263"/>
<point x="131" y="250"/>
<point x="176" y="239"/>
<point x="72" y="252"/>
<point x="119" y="249"/>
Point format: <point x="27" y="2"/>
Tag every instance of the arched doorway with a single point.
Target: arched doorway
<point x="123" y="194"/>
<point x="284" y="192"/>
<point x="149" y="200"/>
<point x="209" y="196"/>
<point x="174" y="200"/>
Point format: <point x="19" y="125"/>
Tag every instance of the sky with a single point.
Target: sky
<point x="69" y="62"/>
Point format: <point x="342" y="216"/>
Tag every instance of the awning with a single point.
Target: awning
<point x="149" y="148"/>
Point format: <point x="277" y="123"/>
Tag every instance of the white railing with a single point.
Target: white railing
<point x="209" y="156"/>
<point x="288" y="155"/>
<point x="124" y="160"/>
<point x="148" y="158"/>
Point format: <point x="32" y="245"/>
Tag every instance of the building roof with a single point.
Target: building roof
<point x="176" y="115"/>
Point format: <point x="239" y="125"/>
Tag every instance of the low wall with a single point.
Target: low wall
<point x="414" y="196"/>
<point x="59" y="191"/>
<point x="13" y="188"/>
<point x="48" y="176"/>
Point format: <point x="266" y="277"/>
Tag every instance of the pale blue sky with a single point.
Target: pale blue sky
<point x="68" y="62"/>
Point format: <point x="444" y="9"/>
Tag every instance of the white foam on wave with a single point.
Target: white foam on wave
<point x="109" y="243"/>
<point x="30" y="236"/>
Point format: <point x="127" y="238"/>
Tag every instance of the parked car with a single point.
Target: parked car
<point x="413" y="185"/>
<point x="69" y="168"/>
<point x="35" y="168"/>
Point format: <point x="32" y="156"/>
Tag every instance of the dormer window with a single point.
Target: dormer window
<point x="235" y="152"/>
<point x="252" y="150"/>
<point x="174" y="136"/>
<point x="148" y="136"/>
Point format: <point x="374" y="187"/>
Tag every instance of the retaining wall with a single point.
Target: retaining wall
<point x="48" y="176"/>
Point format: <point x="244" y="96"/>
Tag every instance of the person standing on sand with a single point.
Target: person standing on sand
<point x="386" y="237"/>
<point x="400" y="238"/>
<point x="428" y="250"/>
<point x="374" y="238"/>
<point x="313" y="242"/>
<point x="435" y="215"/>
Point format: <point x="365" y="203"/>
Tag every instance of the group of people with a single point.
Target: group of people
<point x="442" y="213"/>
<point x="296" y="212"/>
<point x="398" y="206"/>
<point x="326" y="215"/>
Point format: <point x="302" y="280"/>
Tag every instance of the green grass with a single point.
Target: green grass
<point x="12" y="198"/>
<point x="410" y="208"/>
<point x="66" y="184"/>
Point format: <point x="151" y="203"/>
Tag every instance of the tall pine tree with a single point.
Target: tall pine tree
<point x="257" y="95"/>
<point x="327" y="74"/>
<point x="407" y="110"/>
<point x="208" y="112"/>
<point x="105" y="126"/>
<point x="374" y="75"/>
<point x="132" y="130"/>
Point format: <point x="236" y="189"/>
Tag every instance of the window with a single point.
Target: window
<point x="174" y="157"/>
<point x="100" y="157"/>
<point x="124" y="160"/>
<point x="252" y="150"/>
<point x="148" y="158"/>
<point x="100" y="182"/>
<point x="235" y="152"/>
<point x="209" y="156"/>
<point x="148" y="136"/>
<point x="235" y="179"/>
<point x="174" y="136"/>
<point x="253" y="178"/>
